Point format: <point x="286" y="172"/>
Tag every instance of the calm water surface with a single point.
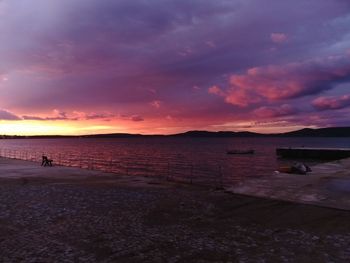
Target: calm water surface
<point x="202" y="160"/>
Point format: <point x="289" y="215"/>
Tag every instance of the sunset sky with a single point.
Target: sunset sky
<point x="167" y="66"/>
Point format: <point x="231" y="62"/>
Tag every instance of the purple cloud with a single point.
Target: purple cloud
<point x="278" y="37"/>
<point x="136" y="118"/>
<point x="331" y="103"/>
<point x="201" y="62"/>
<point x="6" y="115"/>
<point x="73" y="116"/>
<point x="273" y="112"/>
<point x="288" y="81"/>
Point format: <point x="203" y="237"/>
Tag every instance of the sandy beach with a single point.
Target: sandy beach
<point x="58" y="214"/>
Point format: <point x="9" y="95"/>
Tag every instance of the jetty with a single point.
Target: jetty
<point x="328" y="185"/>
<point x="313" y="153"/>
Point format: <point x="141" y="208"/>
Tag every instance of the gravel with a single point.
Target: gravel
<point x="62" y="221"/>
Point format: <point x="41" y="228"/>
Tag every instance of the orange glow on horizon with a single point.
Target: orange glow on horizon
<point x="52" y="128"/>
<point x="27" y="128"/>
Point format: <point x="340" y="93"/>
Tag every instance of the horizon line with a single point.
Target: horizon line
<point x="173" y="134"/>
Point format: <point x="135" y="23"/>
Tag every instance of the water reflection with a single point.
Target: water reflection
<point x="201" y="160"/>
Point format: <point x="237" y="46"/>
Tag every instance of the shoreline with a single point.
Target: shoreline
<point x="76" y="215"/>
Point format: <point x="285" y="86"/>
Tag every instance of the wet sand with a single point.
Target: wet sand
<point x="57" y="214"/>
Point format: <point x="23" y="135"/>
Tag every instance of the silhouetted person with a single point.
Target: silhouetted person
<point x="43" y="160"/>
<point x="46" y="161"/>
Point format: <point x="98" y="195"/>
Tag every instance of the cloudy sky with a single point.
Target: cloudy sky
<point x="166" y="66"/>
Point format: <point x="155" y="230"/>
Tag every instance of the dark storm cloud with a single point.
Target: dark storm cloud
<point x="120" y="56"/>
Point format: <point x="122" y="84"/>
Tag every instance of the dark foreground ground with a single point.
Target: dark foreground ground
<point x="51" y="220"/>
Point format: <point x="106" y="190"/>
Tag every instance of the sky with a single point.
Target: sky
<point x="168" y="66"/>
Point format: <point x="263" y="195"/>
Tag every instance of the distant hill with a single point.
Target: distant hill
<point x="322" y="132"/>
<point x="222" y="134"/>
<point x="307" y="132"/>
<point x="113" y="135"/>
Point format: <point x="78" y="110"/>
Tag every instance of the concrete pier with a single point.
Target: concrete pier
<point x="328" y="185"/>
<point x="314" y="153"/>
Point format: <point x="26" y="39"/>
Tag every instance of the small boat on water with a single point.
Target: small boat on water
<point x="240" y="152"/>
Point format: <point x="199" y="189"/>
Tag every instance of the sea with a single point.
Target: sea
<point x="202" y="161"/>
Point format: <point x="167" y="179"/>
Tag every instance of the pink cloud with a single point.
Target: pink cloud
<point x="293" y="80"/>
<point x="56" y="115"/>
<point x="137" y="118"/>
<point x="241" y="97"/>
<point x="73" y="116"/>
<point x="278" y="37"/>
<point x="272" y="112"/>
<point x="156" y="104"/>
<point x="216" y="90"/>
<point x="331" y="103"/>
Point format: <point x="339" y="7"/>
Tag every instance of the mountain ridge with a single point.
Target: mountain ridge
<point x="305" y="132"/>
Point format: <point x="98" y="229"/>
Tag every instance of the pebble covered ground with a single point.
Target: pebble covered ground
<point x="62" y="221"/>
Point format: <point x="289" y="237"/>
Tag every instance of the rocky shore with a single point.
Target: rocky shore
<point x="107" y="219"/>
